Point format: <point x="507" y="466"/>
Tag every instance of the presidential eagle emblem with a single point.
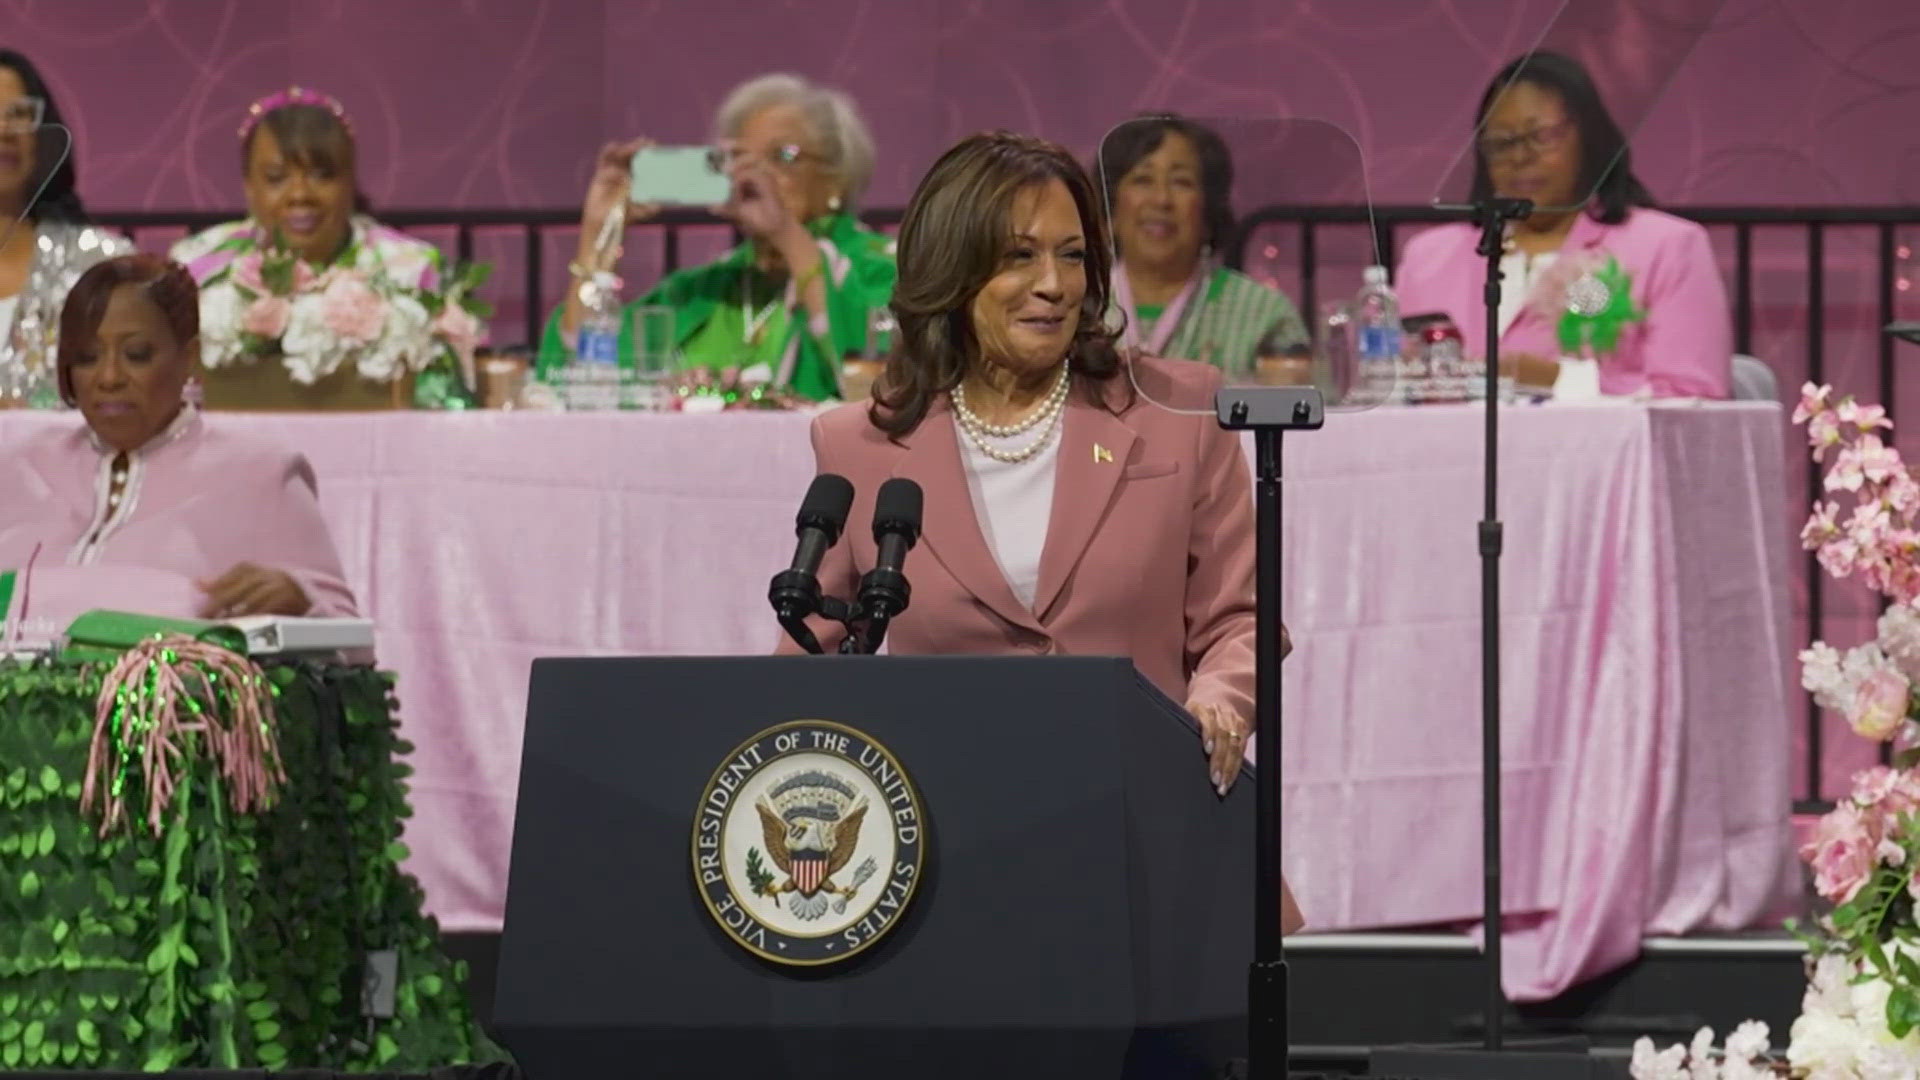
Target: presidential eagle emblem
<point x="811" y="824"/>
<point x="808" y="843"/>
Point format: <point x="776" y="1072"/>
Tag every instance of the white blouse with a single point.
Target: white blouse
<point x="1014" y="502"/>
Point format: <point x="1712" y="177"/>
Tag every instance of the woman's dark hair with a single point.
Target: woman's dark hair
<point x="61" y="199"/>
<point x="952" y="240"/>
<point x="165" y="282"/>
<point x="312" y="137"/>
<point x="1606" y="163"/>
<point x="1133" y="141"/>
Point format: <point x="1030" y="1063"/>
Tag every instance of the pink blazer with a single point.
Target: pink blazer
<point x="1683" y="349"/>
<point x="198" y="500"/>
<point x="1149" y="551"/>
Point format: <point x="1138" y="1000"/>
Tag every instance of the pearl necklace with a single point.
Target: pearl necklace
<point x="1046" y="417"/>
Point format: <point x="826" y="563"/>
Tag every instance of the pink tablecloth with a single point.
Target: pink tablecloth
<point x="1645" y="641"/>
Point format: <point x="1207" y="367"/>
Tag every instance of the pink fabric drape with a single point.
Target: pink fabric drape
<point x="1645" y="643"/>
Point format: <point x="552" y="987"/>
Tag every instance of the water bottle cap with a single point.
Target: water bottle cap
<point x="1374" y="275"/>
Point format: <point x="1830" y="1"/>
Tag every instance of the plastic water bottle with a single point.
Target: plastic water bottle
<point x="593" y="377"/>
<point x="1376" y="325"/>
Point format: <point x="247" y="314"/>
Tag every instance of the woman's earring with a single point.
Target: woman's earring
<point x="833" y="203"/>
<point x="192" y="393"/>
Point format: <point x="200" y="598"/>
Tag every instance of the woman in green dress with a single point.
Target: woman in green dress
<point x="1169" y="183"/>
<point x="796" y="298"/>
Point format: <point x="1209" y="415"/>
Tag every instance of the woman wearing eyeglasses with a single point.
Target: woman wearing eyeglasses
<point x="45" y="242"/>
<point x="794" y="299"/>
<point x="1602" y="295"/>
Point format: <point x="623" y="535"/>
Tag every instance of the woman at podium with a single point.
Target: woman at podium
<point x="146" y="484"/>
<point x="1601" y="293"/>
<point x="1065" y="512"/>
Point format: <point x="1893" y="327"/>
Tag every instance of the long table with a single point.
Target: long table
<point x="1646" y="650"/>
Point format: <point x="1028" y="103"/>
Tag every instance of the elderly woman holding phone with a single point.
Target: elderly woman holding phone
<point x="792" y="300"/>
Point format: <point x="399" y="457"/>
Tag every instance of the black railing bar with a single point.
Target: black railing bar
<point x="1816" y="591"/>
<point x="1325" y="214"/>
<point x="1743" y="289"/>
<point x="1309" y="286"/>
<point x="536" y="302"/>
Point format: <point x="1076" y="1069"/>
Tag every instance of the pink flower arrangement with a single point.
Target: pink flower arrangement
<point x="375" y="311"/>
<point x="1861" y="1017"/>
<point x="1878" y="541"/>
<point x="351" y="308"/>
<point x="267" y="316"/>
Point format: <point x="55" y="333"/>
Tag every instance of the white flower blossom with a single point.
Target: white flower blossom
<point x="405" y="342"/>
<point x="220" y="310"/>
<point x="1649" y="1064"/>
<point x="1748" y="1041"/>
<point x="1828" y="989"/>
<point x="312" y="351"/>
<point x="1823" y="1044"/>
<point x="1899" y="638"/>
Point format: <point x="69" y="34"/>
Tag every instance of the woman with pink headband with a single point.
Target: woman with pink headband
<point x="297" y="160"/>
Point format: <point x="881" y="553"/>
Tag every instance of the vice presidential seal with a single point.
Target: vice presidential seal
<point x="808" y="843"/>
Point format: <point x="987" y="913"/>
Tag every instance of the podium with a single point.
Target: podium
<point x="1083" y="906"/>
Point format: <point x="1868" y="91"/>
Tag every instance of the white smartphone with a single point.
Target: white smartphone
<point x="677" y="176"/>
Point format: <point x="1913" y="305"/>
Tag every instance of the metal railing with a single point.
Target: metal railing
<point x="1307" y="224"/>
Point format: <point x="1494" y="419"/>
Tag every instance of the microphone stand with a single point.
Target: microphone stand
<point x="1490" y="216"/>
<point x="1491" y="1061"/>
<point x="1268" y="412"/>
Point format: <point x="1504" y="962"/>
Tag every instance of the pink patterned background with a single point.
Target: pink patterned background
<point x="491" y="103"/>
<point x="501" y="102"/>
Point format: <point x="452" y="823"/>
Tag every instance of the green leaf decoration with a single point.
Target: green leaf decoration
<point x="1903" y="1011"/>
<point x="224" y="939"/>
<point x="1599" y="332"/>
<point x="161" y="958"/>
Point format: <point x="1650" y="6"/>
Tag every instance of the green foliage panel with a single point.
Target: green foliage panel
<point x="226" y="941"/>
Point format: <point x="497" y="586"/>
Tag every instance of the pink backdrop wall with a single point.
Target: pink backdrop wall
<point x="502" y="103"/>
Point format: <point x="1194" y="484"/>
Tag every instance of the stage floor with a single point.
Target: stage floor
<point x="1353" y="993"/>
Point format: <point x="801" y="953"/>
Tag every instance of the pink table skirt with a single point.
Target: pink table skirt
<point x="1645" y="641"/>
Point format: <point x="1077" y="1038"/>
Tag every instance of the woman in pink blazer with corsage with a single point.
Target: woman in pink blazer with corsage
<point x="146" y="483"/>
<point x="1065" y="512"/>
<point x="1615" y="298"/>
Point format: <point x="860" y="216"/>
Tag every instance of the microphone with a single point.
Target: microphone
<point x="795" y="591"/>
<point x="884" y="591"/>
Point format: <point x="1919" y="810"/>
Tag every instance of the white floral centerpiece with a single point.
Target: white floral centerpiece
<point x="381" y="320"/>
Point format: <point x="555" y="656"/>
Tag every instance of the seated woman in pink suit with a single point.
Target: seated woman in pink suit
<point x="145" y="481"/>
<point x="1568" y="271"/>
<point x="1065" y="514"/>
